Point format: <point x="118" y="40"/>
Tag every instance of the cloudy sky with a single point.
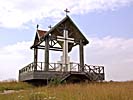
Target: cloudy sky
<point x="107" y="24"/>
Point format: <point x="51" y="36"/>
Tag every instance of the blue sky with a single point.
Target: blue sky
<point x="100" y="23"/>
<point x="108" y="25"/>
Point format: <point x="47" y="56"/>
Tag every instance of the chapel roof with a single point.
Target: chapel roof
<point x="57" y="30"/>
<point x="41" y="33"/>
<point x="73" y="30"/>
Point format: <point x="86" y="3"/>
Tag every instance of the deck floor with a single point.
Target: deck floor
<point x="68" y="76"/>
<point x="90" y="73"/>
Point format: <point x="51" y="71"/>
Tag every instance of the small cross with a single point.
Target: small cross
<point x="50" y="26"/>
<point x="67" y="11"/>
<point x="37" y="26"/>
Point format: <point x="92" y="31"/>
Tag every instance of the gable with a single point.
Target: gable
<point x="73" y="32"/>
<point x="57" y="30"/>
<point x="39" y="35"/>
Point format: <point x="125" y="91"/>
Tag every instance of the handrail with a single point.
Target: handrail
<point x="94" y="69"/>
<point x="95" y="73"/>
<point x="39" y="66"/>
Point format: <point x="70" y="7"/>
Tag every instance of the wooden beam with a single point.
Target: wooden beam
<point x="50" y="48"/>
<point x="81" y="55"/>
<point x="53" y="49"/>
<point x="35" y="58"/>
<point x="46" y="53"/>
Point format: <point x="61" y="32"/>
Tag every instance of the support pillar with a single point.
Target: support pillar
<point x="35" y="58"/>
<point x="81" y="55"/>
<point x="46" y="54"/>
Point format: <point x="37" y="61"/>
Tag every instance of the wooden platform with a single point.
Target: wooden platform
<point x="90" y="73"/>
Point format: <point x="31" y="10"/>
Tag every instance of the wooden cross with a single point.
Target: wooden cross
<point x="67" y="11"/>
<point x="65" y="40"/>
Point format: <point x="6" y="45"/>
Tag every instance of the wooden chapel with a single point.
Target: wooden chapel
<point x="64" y="36"/>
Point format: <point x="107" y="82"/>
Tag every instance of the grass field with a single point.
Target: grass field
<point x="95" y="91"/>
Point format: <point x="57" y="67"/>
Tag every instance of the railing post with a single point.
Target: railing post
<point x="70" y="66"/>
<point x="78" y="67"/>
<point x="103" y="69"/>
<point x="41" y="66"/>
<point x="55" y="66"/>
<point x="99" y="69"/>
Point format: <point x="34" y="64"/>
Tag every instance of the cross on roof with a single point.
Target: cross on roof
<point x="50" y="26"/>
<point x="67" y="11"/>
<point x="37" y="26"/>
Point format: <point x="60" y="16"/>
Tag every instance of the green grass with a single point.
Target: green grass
<point x="13" y="85"/>
<point x="95" y="91"/>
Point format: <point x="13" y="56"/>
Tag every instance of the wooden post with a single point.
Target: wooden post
<point x="103" y="74"/>
<point x="81" y="55"/>
<point x="35" y="58"/>
<point x="46" y="53"/>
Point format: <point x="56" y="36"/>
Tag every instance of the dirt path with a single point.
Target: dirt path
<point x="10" y="91"/>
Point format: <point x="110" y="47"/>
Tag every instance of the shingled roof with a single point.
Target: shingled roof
<point x="39" y="34"/>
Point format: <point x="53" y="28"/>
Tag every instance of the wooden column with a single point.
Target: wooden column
<point x="46" y="53"/>
<point x="81" y="55"/>
<point x="35" y="58"/>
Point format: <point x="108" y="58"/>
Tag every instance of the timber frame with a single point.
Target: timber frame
<point x="45" y="71"/>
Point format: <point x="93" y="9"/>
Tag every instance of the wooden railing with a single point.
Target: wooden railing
<point x="95" y="73"/>
<point x="40" y="66"/>
<point x="27" y="68"/>
<point x="93" y="69"/>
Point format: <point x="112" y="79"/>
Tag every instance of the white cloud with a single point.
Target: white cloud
<point x="15" y="13"/>
<point x="14" y="57"/>
<point x="114" y="53"/>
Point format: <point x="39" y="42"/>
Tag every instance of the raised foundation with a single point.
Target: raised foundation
<point x="90" y="73"/>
